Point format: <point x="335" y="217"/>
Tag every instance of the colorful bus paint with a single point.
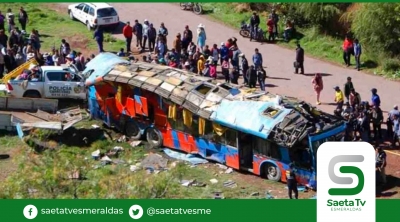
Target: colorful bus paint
<point x="244" y="129"/>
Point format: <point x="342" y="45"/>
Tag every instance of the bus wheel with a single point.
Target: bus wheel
<point x="272" y="172"/>
<point x="132" y="130"/>
<point x="154" y="138"/>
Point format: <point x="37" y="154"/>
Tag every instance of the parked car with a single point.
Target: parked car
<point x="94" y="15"/>
<point x="54" y="82"/>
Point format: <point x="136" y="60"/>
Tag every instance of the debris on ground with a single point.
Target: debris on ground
<point x="255" y="194"/>
<point x="122" y="139"/>
<point x="192" y="158"/>
<point x="96" y="154"/>
<point x="74" y="175"/>
<point x="118" y="162"/>
<point x="32" y="190"/>
<point x="300" y="188"/>
<point x="269" y="196"/>
<point x="218" y="195"/>
<point x="4" y="156"/>
<point x="134" y="168"/>
<point x="115" y="151"/>
<point x="229" y="170"/>
<point x="187" y="183"/>
<point x="222" y="166"/>
<point x="106" y="160"/>
<point x="193" y="183"/>
<point x="214" y="181"/>
<point x="230" y="184"/>
<point x="135" y="143"/>
<point x="314" y="197"/>
<point x="118" y="149"/>
<point x="107" y="136"/>
<point x="174" y="164"/>
<point x="94" y="126"/>
<point x="154" y="162"/>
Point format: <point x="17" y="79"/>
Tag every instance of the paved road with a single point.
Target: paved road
<point x="279" y="61"/>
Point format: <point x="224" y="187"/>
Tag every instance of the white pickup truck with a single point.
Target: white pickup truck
<point x="52" y="83"/>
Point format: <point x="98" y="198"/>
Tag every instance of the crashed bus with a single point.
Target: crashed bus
<point x="244" y="129"/>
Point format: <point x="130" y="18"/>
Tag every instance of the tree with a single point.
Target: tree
<point x="377" y="26"/>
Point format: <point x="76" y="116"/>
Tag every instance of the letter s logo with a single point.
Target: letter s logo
<point x="346" y="180"/>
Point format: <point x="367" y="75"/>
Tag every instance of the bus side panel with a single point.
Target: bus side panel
<point x="113" y="113"/>
<point x="232" y="157"/>
<point x="141" y="105"/>
<point x="303" y="176"/>
<point x="257" y="160"/>
<point x="130" y="107"/>
<point x="186" y="142"/>
<point x="175" y="138"/>
<point x="168" y="140"/>
<point x="210" y="149"/>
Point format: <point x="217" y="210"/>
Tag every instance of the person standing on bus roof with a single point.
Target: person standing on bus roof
<point x="291" y="182"/>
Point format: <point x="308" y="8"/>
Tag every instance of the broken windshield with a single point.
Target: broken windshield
<point x="317" y="143"/>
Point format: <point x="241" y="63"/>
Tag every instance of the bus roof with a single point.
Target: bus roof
<point x="284" y="120"/>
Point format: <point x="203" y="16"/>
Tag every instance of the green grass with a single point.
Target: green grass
<point x="46" y="172"/>
<point x="315" y="44"/>
<point x="55" y="25"/>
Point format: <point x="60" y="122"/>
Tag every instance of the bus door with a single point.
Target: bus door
<point x="303" y="164"/>
<point x="231" y="143"/>
<point x="245" y="150"/>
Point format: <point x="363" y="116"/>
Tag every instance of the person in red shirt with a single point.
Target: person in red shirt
<point x="127" y="31"/>
<point x="270" y="25"/>
<point x="172" y="63"/>
<point x="347" y="50"/>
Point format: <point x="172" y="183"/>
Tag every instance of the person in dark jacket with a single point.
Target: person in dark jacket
<point x="377" y="119"/>
<point x="13" y="40"/>
<point x="99" y="37"/>
<point x="292" y="182"/>
<point x="3" y="38"/>
<point x="186" y="38"/>
<point x="252" y="76"/>
<point x="347" y="88"/>
<point x="235" y="75"/>
<point x="357" y="53"/>
<point x="299" y="60"/>
<point x="245" y="67"/>
<point x="275" y="18"/>
<point x="2" y="21"/>
<point x="22" y="18"/>
<point x="254" y="23"/>
<point x="138" y="31"/>
<point x="261" y="76"/>
<point x="152" y="33"/>
<point x="9" y="61"/>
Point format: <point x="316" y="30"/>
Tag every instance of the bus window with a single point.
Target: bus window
<point x="266" y="148"/>
<point x="194" y="130"/>
<point x="230" y="138"/>
<point x="178" y="123"/>
<point x="301" y="156"/>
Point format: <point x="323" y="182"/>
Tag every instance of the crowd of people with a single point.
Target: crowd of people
<point x="17" y="46"/>
<point x="364" y="118"/>
<point x="197" y="57"/>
